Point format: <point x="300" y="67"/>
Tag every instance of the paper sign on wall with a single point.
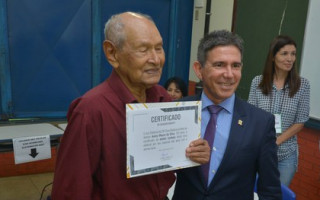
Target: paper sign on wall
<point x="29" y="149"/>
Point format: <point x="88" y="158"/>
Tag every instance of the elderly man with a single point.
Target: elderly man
<point x="91" y="162"/>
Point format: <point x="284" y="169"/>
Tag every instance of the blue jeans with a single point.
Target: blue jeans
<point x="288" y="168"/>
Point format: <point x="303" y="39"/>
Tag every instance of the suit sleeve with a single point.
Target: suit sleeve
<point x="268" y="183"/>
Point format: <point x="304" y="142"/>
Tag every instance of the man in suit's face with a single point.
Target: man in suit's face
<point x="220" y="73"/>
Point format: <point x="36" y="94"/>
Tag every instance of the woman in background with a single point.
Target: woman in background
<point x="281" y="91"/>
<point x="176" y="88"/>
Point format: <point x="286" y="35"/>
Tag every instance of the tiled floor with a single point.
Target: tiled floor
<point x="27" y="187"/>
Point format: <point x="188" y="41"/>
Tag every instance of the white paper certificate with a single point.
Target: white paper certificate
<point x="158" y="135"/>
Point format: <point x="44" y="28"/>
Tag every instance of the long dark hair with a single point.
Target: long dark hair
<point x="180" y="84"/>
<point x="293" y="78"/>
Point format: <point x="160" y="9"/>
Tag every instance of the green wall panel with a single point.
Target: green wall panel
<point x="258" y="22"/>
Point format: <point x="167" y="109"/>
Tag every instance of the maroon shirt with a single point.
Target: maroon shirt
<point x="91" y="161"/>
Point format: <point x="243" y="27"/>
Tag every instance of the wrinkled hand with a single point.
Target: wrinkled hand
<point x="199" y="151"/>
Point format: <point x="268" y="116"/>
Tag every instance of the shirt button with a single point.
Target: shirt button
<point x="213" y="171"/>
<point x="214" y="149"/>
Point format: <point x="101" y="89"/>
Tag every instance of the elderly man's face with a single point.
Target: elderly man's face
<point x="142" y="56"/>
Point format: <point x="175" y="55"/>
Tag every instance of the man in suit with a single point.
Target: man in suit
<point x="244" y="143"/>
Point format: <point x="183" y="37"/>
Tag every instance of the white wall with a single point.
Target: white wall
<point x="310" y="59"/>
<point x="197" y="33"/>
<point x="221" y="15"/>
<point x="220" y="18"/>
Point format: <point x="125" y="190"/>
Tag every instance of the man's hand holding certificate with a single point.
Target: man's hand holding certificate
<point x="158" y="135"/>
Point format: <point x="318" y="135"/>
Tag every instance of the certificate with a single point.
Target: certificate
<point x="158" y="135"/>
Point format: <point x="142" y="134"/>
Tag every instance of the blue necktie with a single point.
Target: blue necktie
<point x="209" y="135"/>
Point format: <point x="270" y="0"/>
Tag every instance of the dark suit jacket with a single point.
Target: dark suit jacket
<point x="251" y="150"/>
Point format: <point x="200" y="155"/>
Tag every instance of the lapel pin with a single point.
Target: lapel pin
<point x="240" y="122"/>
